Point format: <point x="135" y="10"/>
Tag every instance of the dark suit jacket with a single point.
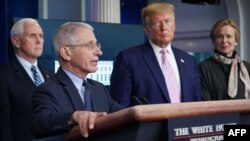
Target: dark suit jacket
<point x="55" y="100"/>
<point x="137" y="73"/>
<point x="214" y="80"/>
<point x="15" y="101"/>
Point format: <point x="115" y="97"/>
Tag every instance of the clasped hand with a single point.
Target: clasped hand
<point x="86" y="120"/>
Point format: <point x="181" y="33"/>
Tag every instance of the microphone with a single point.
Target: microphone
<point x="136" y="100"/>
<point x="145" y="100"/>
<point x="140" y="101"/>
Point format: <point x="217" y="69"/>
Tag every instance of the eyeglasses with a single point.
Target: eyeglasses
<point x="90" y="45"/>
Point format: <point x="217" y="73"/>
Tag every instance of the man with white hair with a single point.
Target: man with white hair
<point x="19" y="78"/>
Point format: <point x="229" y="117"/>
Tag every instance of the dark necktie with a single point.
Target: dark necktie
<point x="36" y="76"/>
<point x="87" y="96"/>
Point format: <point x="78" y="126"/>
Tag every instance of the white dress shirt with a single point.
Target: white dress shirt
<point x="170" y="58"/>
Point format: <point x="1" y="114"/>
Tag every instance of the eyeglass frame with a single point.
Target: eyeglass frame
<point x="90" y="45"/>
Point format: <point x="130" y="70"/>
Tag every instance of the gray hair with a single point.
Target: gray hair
<point x="65" y="34"/>
<point x="17" y="28"/>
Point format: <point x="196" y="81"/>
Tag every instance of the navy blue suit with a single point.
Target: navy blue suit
<point x="137" y="73"/>
<point x="55" y="101"/>
<point x="16" y="88"/>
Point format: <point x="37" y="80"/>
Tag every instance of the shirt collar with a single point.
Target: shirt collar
<point x="25" y="63"/>
<point x="157" y="48"/>
<point x="74" y="78"/>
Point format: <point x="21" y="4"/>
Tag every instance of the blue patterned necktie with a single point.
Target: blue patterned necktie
<point x="87" y="97"/>
<point x="36" y="76"/>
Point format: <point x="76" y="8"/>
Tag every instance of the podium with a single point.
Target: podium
<point x="149" y="122"/>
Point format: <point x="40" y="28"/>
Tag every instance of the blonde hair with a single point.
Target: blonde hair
<point x="221" y="23"/>
<point x="156" y="8"/>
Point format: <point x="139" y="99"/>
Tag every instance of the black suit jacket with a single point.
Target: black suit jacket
<point x="55" y="100"/>
<point x="16" y="88"/>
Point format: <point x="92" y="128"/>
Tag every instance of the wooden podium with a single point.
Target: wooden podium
<point x="146" y="122"/>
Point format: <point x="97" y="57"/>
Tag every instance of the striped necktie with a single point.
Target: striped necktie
<point x="36" y="76"/>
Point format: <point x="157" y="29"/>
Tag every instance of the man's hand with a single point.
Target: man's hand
<point x="86" y="120"/>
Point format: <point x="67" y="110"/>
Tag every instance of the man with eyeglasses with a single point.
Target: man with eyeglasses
<point x="68" y="98"/>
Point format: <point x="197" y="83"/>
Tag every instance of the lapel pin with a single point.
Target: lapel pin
<point x="182" y="60"/>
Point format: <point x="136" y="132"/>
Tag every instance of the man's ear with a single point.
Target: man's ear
<point x="15" y="41"/>
<point x="145" y="30"/>
<point x="65" y="53"/>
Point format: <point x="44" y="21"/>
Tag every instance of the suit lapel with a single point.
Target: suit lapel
<point x="44" y="72"/>
<point x="70" y="90"/>
<point x="152" y="63"/>
<point x="22" y="75"/>
<point x="181" y="68"/>
<point x="96" y="99"/>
